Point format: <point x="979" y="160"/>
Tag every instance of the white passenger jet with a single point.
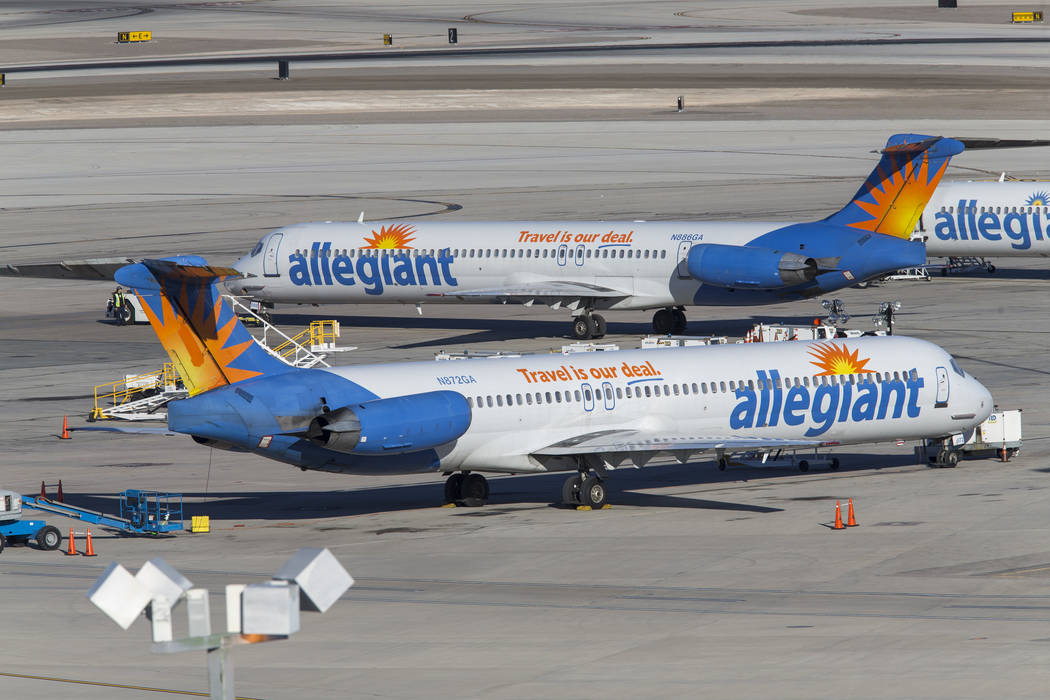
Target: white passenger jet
<point x="588" y="413"/>
<point x="586" y="266"/>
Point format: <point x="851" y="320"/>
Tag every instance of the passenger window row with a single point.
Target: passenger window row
<point x="586" y="395"/>
<point x="995" y="210"/>
<point x="549" y="253"/>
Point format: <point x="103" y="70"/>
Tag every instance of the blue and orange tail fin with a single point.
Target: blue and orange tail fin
<point x="197" y="327"/>
<point x="892" y="198"/>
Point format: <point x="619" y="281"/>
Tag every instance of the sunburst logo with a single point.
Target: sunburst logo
<point x="899" y="195"/>
<point x="396" y="236"/>
<point x="202" y="348"/>
<point x="834" y="359"/>
<point x="1038" y="199"/>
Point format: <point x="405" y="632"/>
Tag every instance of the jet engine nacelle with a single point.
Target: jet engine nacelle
<point x="392" y="426"/>
<point x="749" y="267"/>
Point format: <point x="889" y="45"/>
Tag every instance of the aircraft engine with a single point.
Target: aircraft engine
<point x="392" y="426"/>
<point x="747" y="267"/>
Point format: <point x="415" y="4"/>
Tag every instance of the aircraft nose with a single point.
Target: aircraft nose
<point x="984" y="403"/>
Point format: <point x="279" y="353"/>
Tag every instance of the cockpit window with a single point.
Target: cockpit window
<point x="257" y="249"/>
<point x="955" y="366"/>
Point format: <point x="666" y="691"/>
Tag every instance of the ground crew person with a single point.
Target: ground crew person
<point x="118" y="306"/>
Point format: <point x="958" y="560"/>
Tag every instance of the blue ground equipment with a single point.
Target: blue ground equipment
<point x="15" y="530"/>
<point x="141" y="512"/>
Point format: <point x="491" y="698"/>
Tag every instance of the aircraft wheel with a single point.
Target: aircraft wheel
<point x="48" y="538"/>
<point x="803" y="465"/>
<point x="475" y="489"/>
<point x="991" y="269"/>
<point x="454" y="488"/>
<point x="834" y="463"/>
<point x="570" y="490"/>
<point x="722" y="464"/>
<point x="583" y="327"/>
<point x="126" y="314"/>
<point x="678" y="322"/>
<point x="592" y="492"/>
<point x="951" y="459"/>
<point x="663" y="321"/>
<point x="600" y="326"/>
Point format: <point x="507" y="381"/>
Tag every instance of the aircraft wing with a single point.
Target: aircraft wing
<point x="554" y="289"/>
<point x="94" y="269"/>
<point x="627" y="441"/>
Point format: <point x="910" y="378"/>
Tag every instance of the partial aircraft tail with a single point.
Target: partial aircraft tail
<point x="197" y="327"/>
<point x="892" y="198"/>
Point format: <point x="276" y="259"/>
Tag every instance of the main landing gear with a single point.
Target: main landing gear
<point x="584" y="490"/>
<point x="669" y="321"/>
<point x="467" y="488"/>
<point x="587" y="326"/>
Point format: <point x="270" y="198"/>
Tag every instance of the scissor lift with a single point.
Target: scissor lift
<point x="141" y="512"/>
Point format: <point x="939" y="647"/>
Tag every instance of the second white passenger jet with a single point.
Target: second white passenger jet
<point x="586" y="266"/>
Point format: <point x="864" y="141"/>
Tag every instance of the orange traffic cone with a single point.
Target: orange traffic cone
<point x="850" y="520"/>
<point x="43" y="491"/>
<point x="89" y="551"/>
<point x="65" y="429"/>
<point x="60" y="498"/>
<point x="72" y="551"/>
<point x="838" y="517"/>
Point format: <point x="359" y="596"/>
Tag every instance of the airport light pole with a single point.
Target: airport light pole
<point x="836" y="311"/>
<point x="313" y="579"/>
<point x="884" y="316"/>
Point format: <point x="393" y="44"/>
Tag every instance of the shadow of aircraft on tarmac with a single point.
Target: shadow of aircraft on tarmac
<point x="627" y="487"/>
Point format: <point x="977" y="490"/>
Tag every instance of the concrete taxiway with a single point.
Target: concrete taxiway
<point x="726" y="584"/>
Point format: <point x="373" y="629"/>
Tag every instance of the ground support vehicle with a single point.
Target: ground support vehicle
<point x="15" y="530"/>
<point x="1000" y="435"/>
<point x="141" y="512"/>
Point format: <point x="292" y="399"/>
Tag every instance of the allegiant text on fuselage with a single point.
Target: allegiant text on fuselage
<point x="827" y="404"/>
<point x="967" y="224"/>
<point x="371" y="268"/>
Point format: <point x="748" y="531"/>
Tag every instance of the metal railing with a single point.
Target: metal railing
<point x="137" y="395"/>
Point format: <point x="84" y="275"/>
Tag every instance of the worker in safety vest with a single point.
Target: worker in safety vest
<point x="118" y="305"/>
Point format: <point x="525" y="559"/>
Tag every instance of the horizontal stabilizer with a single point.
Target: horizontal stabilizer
<point x="186" y="269"/>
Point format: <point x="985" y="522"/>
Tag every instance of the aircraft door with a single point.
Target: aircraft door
<point x="683" y="260"/>
<point x="942" y="388"/>
<point x="579" y="255"/>
<point x="588" y="397"/>
<point x="563" y="254"/>
<point x="610" y="398"/>
<point x="270" y="256"/>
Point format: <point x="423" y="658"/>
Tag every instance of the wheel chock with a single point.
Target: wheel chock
<point x="448" y="505"/>
<point x="583" y="508"/>
<point x="607" y="506"/>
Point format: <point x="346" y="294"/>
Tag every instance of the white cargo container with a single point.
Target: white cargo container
<point x="999" y="434"/>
